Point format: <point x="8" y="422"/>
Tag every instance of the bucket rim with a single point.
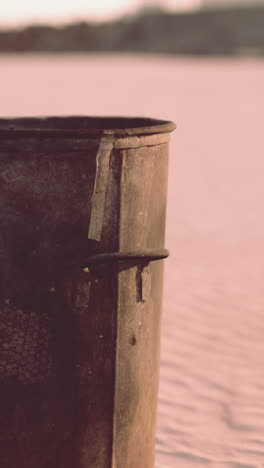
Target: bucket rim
<point x="83" y="126"/>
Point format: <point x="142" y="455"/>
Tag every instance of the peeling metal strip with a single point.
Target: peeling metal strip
<point x="145" y="284"/>
<point x="100" y="188"/>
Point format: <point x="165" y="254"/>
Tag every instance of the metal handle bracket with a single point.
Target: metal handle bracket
<point x="146" y="256"/>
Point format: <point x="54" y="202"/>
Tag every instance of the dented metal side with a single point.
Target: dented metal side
<point x="143" y="204"/>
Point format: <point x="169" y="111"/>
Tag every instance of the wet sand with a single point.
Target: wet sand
<point x="211" y="401"/>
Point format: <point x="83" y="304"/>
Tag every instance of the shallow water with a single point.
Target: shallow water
<point x="211" y="410"/>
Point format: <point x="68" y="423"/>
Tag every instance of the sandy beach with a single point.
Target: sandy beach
<point x="211" y="400"/>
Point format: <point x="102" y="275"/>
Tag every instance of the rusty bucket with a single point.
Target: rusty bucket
<point x="82" y="219"/>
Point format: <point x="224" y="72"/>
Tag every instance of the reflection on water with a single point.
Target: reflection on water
<point x="212" y="385"/>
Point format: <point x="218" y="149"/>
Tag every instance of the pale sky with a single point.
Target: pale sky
<point x="13" y="12"/>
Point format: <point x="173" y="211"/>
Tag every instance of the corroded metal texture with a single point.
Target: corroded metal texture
<point x="79" y="342"/>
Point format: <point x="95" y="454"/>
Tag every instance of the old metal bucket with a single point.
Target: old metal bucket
<point x="82" y="219"/>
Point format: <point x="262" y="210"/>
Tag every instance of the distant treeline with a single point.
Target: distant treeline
<point x="212" y="32"/>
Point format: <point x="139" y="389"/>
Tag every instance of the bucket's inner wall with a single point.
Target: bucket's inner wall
<point x="78" y="123"/>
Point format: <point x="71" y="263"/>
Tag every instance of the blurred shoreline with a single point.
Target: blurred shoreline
<point x="234" y="32"/>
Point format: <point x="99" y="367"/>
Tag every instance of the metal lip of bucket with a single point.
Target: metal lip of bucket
<point x="83" y="126"/>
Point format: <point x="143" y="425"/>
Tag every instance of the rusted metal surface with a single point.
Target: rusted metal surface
<point x="79" y="347"/>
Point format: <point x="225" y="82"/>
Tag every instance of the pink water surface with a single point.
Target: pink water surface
<point x="211" y="401"/>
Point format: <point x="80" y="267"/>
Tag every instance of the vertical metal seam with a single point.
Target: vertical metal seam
<point x="120" y="206"/>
